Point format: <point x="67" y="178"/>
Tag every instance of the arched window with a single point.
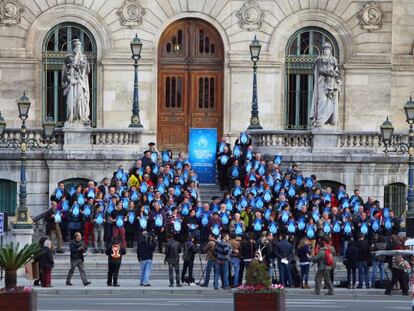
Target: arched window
<point x="395" y="198"/>
<point x="333" y="184"/>
<point x="302" y="50"/>
<point x="73" y="182"/>
<point x="56" y="46"/>
<point x="8" y="196"/>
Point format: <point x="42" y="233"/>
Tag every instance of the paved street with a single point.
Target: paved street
<point x="222" y="302"/>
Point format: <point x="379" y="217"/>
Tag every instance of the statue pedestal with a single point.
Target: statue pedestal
<point x="77" y="137"/>
<point x="324" y="140"/>
<point x="23" y="235"/>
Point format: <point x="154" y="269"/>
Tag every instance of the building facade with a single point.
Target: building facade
<point x="195" y="71"/>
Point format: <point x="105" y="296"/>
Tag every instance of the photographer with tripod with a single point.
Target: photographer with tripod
<point x="145" y="250"/>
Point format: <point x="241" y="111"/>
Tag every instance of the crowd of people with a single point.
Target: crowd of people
<point x="265" y="206"/>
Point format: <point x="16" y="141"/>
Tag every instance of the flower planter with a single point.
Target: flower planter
<point x="18" y="301"/>
<point x="259" y="301"/>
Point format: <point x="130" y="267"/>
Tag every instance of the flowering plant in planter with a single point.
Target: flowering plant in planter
<point x="258" y="292"/>
<point x="274" y="288"/>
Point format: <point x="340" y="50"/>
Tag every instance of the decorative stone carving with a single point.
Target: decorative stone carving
<point x="250" y="16"/>
<point x="10" y="12"/>
<point x="370" y="17"/>
<point x="131" y="13"/>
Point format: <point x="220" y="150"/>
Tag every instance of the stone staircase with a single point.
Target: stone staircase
<point x="96" y="265"/>
<point x="207" y="191"/>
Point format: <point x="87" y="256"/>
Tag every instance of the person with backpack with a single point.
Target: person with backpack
<point x="325" y="258"/>
<point x="172" y="257"/>
<point x="223" y="250"/>
<point x="114" y="251"/>
<point x="190" y="250"/>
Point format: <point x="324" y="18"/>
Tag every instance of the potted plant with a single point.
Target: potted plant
<point x="12" y="297"/>
<point x="258" y="293"/>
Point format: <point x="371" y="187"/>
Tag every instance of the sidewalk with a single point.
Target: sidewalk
<point x="130" y="286"/>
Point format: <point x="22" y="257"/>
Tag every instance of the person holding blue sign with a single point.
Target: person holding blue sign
<point x="117" y="218"/>
<point x="157" y="224"/>
<point x="53" y="218"/>
<point x="87" y="213"/>
<point x="223" y="155"/>
<point x="98" y="220"/>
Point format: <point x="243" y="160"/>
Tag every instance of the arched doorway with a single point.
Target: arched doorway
<point x="190" y="81"/>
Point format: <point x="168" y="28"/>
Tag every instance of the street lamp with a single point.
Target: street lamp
<point x="136" y="47"/>
<point x="255" y="48"/>
<point x="23" y="143"/>
<point x="387" y="131"/>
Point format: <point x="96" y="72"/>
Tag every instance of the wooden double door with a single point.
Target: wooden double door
<point x="190" y="82"/>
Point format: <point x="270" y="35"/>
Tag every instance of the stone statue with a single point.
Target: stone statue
<point x="326" y="89"/>
<point x="75" y="84"/>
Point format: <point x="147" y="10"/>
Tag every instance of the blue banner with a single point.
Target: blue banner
<point x="202" y="153"/>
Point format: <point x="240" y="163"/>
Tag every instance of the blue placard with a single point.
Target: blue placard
<point x="1" y="224"/>
<point x="202" y="153"/>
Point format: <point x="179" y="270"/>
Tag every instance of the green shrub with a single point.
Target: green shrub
<point x="257" y="274"/>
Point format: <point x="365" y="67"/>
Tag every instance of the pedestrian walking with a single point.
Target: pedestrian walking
<point x="325" y="258"/>
<point x="77" y="249"/>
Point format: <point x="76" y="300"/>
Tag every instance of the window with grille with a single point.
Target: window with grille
<point x="56" y="47"/>
<point x="395" y="198"/>
<point x="302" y="50"/>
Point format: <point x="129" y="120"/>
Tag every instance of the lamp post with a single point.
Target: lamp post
<point x="136" y="47"/>
<point x="255" y="48"/>
<point x="23" y="143"/>
<point x="387" y="131"/>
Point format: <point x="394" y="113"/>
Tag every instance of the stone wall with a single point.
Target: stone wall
<point x="377" y="64"/>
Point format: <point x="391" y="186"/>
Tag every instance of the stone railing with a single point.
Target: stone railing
<point x="282" y="139"/>
<point x="367" y="141"/>
<point x="115" y="137"/>
<point x="270" y="142"/>
<point x="56" y="142"/>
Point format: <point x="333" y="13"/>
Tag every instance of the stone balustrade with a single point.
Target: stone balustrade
<point x="35" y="134"/>
<point x="103" y="138"/>
<point x="270" y="142"/>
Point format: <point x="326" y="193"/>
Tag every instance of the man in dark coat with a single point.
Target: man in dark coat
<point x="77" y="249"/>
<point x="284" y="255"/>
<point x="172" y="257"/>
